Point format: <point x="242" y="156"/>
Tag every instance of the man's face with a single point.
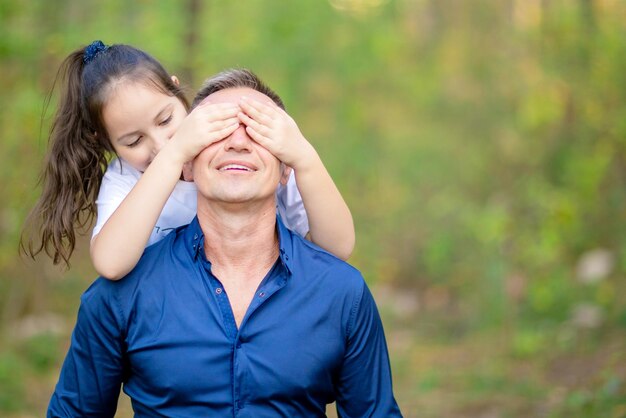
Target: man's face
<point x="236" y="169"/>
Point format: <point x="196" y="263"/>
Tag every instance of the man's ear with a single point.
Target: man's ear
<point x="175" y="81"/>
<point x="188" y="171"/>
<point x="284" y="177"/>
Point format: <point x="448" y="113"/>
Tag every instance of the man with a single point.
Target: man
<point x="232" y="315"/>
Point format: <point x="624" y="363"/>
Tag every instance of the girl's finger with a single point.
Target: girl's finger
<point x="222" y="111"/>
<point x="256" y="109"/>
<point x="223" y="133"/>
<point x="222" y="123"/>
<point x="252" y="123"/>
<point x="259" y="138"/>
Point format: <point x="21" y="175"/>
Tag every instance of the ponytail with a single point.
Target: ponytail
<point x="72" y="171"/>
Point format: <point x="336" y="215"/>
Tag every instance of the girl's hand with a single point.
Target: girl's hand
<point x="275" y="130"/>
<point x="206" y="124"/>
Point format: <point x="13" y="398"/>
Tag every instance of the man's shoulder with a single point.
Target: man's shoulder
<point x="154" y="265"/>
<point x="158" y="258"/>
<point x="323" y="265"/>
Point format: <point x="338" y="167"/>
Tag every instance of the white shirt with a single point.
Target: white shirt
<point x="181" y="207"/>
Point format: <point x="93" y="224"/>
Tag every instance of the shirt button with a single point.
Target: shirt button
<point x="262" y="294"/>
<point x="218" y="290"/>
<point x="195" y="236"/>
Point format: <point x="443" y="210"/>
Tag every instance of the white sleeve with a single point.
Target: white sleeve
<point x="120" y="178"/>
<point x="290" y="207"/>
<point x="117" y="182"/>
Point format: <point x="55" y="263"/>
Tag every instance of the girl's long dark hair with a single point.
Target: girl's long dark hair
<point x="79" y="145"/>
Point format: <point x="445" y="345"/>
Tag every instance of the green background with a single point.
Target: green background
<point x="481" y="146"/>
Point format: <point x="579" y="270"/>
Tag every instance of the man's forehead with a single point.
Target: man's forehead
<point x="233" y="95"/>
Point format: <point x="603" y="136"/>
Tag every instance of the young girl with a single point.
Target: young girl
<point x="119" y="100"/>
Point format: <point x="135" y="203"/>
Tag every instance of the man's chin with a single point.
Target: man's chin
<point x="237" y="198"/>
<point x="236" y="193"/>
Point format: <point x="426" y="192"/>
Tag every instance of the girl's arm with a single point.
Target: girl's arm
<point x="330" y="221"/>
<point x="116" y="249"/>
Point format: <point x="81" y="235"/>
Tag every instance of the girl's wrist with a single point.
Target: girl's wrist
<point x="308" y="161"/>
<point x="172" y="154"/>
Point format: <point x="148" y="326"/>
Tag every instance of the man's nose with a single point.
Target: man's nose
<point x="238" y="140"/>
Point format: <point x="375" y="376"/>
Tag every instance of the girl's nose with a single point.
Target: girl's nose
<point x="158" y="143"/>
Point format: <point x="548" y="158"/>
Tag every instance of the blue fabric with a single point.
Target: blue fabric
<point x="312" y="335"/>
<point x="92" y="50"/>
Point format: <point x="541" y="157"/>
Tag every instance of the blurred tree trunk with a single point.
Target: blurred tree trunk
<point x="50" y="17"/>
<point x="191" y="40"/>
<point x="509" y="11"/>
<point x="588" y="15"/>
<point x="545" y="12"/>
<point x="427" y="20"/>
<point x="26" y="291"/>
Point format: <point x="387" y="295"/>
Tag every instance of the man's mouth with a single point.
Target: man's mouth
<point x="235" y="167"/>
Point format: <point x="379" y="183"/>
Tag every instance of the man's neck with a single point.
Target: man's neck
<point x="241" y="243"/>
<point x="239" y="239"/>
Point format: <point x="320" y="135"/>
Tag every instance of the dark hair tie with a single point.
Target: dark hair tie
<point x="93" y="50"/>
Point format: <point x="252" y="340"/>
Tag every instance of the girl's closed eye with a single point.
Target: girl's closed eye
<point x="166" y="121"/>
<point x="135" y="142"/>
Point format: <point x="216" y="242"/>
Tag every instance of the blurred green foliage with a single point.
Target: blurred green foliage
<point x="480" y="145"/>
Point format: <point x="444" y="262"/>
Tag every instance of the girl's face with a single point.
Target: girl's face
<point x="139" y="120"/>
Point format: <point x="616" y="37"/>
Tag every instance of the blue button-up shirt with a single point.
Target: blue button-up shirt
<point x="311" y="335"/>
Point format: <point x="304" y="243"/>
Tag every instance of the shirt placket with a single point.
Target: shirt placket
<point x="237" y="336"/>
<point x="274" y="282"/>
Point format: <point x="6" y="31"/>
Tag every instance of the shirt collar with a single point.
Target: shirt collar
<point x="194" y="240"/>
<point x="285" y="244"/>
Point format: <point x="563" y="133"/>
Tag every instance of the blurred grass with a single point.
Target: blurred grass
<point x="480" y="145"/>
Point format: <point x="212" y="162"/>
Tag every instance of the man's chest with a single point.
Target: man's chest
<point x="195" y="353"/>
